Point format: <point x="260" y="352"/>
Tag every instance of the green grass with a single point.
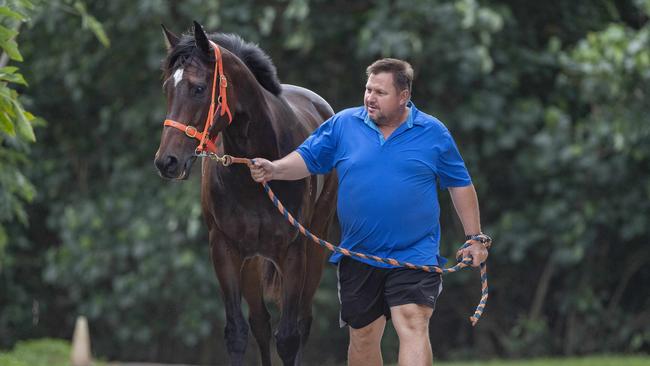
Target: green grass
<point x="42" y="352"/>
<point x="56" y="352"/>
<point x="39" y="352"/>
<point x="582" y="361"/>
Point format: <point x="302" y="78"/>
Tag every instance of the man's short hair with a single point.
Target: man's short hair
<point x="402" y="72"/>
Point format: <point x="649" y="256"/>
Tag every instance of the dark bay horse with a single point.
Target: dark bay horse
<point x="255" y="252"/>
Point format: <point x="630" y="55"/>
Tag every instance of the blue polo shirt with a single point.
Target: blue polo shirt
<point x="387" y="198"/>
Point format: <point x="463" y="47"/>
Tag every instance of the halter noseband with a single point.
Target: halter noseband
<point x="207" y="144"/>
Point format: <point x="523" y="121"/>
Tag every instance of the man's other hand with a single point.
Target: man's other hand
<point x="476" y="251"/>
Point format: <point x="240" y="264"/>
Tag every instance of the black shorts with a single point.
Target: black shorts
<point x="368" y="292"/>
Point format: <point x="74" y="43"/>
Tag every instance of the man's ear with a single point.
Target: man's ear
<point x="404" y="96"/>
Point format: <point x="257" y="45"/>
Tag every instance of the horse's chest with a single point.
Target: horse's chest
<point x="250" y="222"/>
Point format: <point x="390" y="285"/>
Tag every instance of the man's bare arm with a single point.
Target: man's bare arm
<point x="291" y="167"/>
<point x="466" y="204"/>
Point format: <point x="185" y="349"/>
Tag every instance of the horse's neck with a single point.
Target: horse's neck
<point x="254" y="130"/>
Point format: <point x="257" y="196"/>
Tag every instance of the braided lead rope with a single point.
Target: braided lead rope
<point x="465" y="262"/>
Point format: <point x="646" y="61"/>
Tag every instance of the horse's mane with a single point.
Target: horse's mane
<point x="257" y="61"/>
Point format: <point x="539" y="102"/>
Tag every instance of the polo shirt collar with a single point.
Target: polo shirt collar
<point x="411" y="120"/>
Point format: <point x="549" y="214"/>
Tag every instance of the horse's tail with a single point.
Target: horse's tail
<point x="271" y="281"/>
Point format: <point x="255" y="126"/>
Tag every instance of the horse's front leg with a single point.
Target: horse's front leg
<point x="227" y="264"/>
<point x="259" y="317"/>
<point x="293" y="279"/>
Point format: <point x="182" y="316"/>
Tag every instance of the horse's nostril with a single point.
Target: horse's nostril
<point x="167" y="164"/>
<point x="171" y="163"/>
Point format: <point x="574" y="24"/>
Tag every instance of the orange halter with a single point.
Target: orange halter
<point x="207" y="144"/>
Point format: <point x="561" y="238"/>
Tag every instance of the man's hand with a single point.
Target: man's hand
<point x="476" y="250"/>
<point x="291" y="167"/>
<point x="262" y="170"/>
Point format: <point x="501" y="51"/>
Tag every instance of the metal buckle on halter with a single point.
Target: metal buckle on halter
<point x="191" y="129"/>
<point x="223" y="81"/>
<point x="225" y="160"/>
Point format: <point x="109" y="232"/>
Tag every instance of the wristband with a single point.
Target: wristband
<point x="484" y="239"/>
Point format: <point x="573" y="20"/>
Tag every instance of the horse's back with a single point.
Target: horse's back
<point x="310" y="107"/>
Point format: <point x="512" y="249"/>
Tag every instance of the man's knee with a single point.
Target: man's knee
<point x="368" y="336"/>
<point x="411" y="319"/>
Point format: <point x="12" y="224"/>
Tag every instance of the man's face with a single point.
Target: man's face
<point x="382" y="100"/>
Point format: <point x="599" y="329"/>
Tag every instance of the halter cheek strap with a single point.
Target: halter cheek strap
<point x="217" y="105"/>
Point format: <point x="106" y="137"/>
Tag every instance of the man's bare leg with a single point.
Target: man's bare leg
<point x="411" y="322"/>
<point x="365" y="344"/>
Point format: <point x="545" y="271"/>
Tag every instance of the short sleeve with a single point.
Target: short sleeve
<point x="451" y="167"/>
<point x="319" y="150"/>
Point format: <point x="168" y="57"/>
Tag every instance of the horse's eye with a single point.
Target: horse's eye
<point x="199" y="90"/>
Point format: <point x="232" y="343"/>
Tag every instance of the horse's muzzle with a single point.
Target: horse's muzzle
<point x="170" y="167"/>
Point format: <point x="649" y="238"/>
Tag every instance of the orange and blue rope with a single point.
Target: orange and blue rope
<point x="465" y="262"/>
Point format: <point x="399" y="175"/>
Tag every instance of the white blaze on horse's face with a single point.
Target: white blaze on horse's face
<point x="178" y="76"/>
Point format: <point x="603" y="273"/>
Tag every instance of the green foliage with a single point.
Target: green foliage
<point x="547" y="101"/>
<point x="89" y="22"/>
<point x="16" y="129"/>
<point x="16" y="189"/>
<point x="17" y="124"/>
<point x="42" y="352"/>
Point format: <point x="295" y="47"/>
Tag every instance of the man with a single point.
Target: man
<point x="389" y="158"/>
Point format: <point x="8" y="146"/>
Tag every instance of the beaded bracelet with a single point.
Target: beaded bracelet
<point x="484" y="239"/>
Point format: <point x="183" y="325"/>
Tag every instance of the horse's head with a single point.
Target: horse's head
<point x="188" y="73"/>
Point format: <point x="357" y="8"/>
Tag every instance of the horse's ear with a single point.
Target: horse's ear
<point x="200" y="38"/>
<point x="171" y="40"/>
